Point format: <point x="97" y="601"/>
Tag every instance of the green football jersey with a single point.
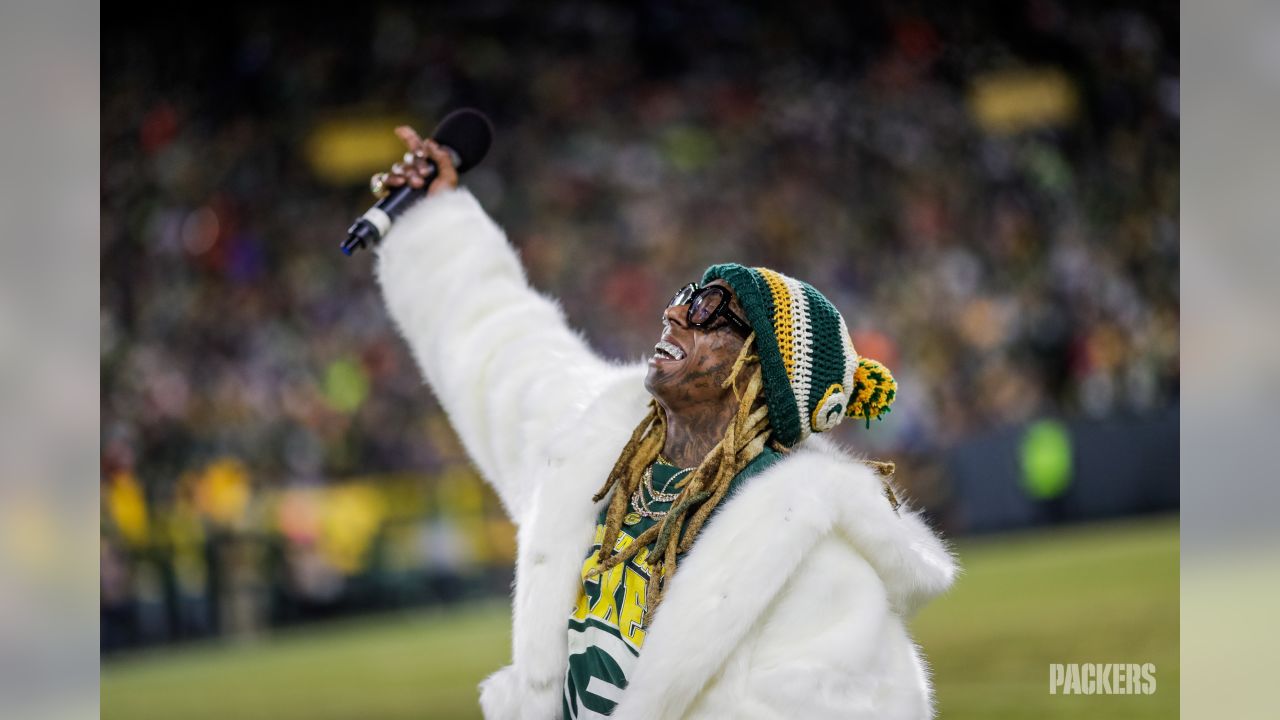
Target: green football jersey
<point x="606" y="627"/>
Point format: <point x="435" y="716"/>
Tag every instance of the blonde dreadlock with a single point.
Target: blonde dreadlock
<point x="700" y="491"/>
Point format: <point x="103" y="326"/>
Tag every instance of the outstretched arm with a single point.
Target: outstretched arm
<point x="501" y="358"/>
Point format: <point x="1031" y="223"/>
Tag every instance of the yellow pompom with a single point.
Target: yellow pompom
<point x="873" y="391"/>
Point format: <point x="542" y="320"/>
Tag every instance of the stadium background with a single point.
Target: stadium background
<point x="990" y="195"/>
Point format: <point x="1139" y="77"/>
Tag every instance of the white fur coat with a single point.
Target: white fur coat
<point x="793" y="599"/>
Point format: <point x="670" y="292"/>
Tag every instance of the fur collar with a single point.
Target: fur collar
<point x="770" y="526"/>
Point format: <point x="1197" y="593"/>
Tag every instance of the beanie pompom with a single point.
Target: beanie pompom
<point x="873" y="391"/>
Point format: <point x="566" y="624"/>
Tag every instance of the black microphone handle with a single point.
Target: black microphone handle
<point x="368" y="230"/>
<point x="465" y="135"/>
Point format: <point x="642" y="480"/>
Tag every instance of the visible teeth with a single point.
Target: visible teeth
<point x="669" y="350"/>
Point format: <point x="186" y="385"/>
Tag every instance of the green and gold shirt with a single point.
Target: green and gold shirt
<point x="606" y="627"/>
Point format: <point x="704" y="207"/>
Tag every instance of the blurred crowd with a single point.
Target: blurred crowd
<point x="990" y="197"/>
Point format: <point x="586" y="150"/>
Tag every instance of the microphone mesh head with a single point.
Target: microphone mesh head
<point x="468" y="133"/>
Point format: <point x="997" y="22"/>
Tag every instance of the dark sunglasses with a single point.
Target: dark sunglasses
<point x="705" y="305"/>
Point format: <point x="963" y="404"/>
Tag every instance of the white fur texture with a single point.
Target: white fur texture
<point x="793" y="599"/>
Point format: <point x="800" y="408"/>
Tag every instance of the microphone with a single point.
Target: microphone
<point x="465" y="134"/>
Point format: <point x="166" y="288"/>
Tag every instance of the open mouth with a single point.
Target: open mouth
<point x="667" y="351"/>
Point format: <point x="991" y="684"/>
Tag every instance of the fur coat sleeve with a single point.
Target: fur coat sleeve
<point x="499" y="356"/>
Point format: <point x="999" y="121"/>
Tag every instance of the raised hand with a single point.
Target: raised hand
<point x="413" y="168"/>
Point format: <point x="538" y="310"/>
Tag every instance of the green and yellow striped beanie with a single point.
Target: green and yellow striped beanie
<point x="813" y="377"/>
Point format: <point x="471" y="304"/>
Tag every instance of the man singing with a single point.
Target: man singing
<point x="688" y="546"/>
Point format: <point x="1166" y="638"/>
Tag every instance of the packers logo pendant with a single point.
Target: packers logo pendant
<point x="631" y="518"/>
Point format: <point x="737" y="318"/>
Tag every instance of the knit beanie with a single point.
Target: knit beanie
<point x="813" y="377"/>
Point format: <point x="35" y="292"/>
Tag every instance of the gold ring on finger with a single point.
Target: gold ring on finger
<point x="378" y="185"/>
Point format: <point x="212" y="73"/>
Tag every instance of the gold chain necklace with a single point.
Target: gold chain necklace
<point x="642" y="506"/>
<point x="663" y="496"/>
